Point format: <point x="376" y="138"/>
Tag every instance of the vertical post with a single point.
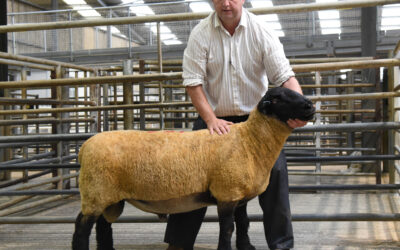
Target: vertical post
<point x="76" y="113"/>
<point x="65" y="129"/>
<point x="142" y="97"/>
<point x="58" y="130"/>
<point x="129" y="36"/>
<point x="160" y="65"/>
<point x="93" y="95"/>
<point x="14" y="49"/>
<point x="106" y="126"/>
<point x="368" y="48"/>
<point x="128" y="95"/>
<point x="115" y="127"/>
<point x="71" y="47"/>
<point x="109" y="34"/>
<point x="391" y="117"/>
<point x="318" y="122"/>
<point x="54" y="6"/>
<point x="85" y="98"/>
<point x="44" y="41"/>
<point x="3" y="78"/>
<point x="24" y="117"/>
<point x="350" y="117"/>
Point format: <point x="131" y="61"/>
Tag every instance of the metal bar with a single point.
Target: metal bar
<point x="41" y="182"/>
<point x="190" y="16"/>
<point x="364" y="96"/>
<point x="342" y="158"/>
<point x="31" y="158"/>
<point x="360" y="85"/>
<point x="348" y="127"/>
<point x="330" y="174"/>
<point x="346" y="65"/>
<point x="291" y="188"/>
<point x="42" y="61"/>
<point x="208" y="218"/>
<point x="291" y="60"/>
<point x="16" y="145"/>
<point x="328" y="149"/>
<point x="338" y="111"/>
<point x="327" y="59"/>
<point x="18" y="101"/>
<point x="96" y="108"/>
<point x="28" y="65"/>
<point x="32" y="205"/>
<point x="40" y="192"/>
<point x="114" y="79"/>
<point x="46" y="138"/>
<point x="43" y="121"/>
<point x="14" y="182"/>
<point x="42" y="166"/>
<point x="90" y="80"/>
<point x="345" y="187"/>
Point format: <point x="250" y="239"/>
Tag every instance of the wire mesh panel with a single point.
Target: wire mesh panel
<point x="316" y="25"/>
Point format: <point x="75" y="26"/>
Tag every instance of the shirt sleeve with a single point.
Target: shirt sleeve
<point x="195" y="59"/>
<point x="276" y="64"/>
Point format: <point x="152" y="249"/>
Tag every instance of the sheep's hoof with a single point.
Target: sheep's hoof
<point x="172" y="247"/>
<point x="245" y="246"/>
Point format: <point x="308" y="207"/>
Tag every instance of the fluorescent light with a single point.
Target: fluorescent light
<point x="390" y="17"/>
<point x="261" y="3"/>
<point x="139" y="8"/>
<point x="75" y="2"/>
<point x="271" y="19"/>
<point x="85" y="11"/>
<point x="200" y="7"/>
<point x="167" y="37"/>
<point x="329" y="20"/>
<point x="172" y="42"/>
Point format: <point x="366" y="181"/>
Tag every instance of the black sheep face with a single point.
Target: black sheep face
<point x="286" y="104"/>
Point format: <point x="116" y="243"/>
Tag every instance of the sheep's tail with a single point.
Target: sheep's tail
<point x="80" y="153"/>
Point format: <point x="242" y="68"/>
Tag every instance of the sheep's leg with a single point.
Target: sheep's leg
<point x="104" y="234"/>
<point x="83" y="227"/>
<point x="242" y="227"/>
<point x="226" y="226"/>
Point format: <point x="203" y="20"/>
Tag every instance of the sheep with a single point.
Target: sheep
<point x="165" y="173"/>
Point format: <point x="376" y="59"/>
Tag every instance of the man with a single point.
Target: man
<point x="228" y="61"/>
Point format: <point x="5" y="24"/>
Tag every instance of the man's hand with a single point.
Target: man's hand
<point x="296" y="123"/>
<point x="219" y="126"/>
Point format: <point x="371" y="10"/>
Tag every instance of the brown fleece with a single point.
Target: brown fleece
<point x="155" y="166"/>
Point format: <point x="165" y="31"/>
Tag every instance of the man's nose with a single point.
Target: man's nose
<point x="225" y="3"/>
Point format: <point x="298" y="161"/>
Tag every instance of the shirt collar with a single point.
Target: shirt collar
<point x="243" y="20"/>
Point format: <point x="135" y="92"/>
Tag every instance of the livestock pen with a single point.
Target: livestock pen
<point x="343" y="168"/>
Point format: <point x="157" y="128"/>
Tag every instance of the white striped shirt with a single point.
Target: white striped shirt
<point x="233" y="69"/>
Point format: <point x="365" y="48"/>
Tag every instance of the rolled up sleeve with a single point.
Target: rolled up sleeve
<point x="194" y="61"/>
<point x="276" y="64"/>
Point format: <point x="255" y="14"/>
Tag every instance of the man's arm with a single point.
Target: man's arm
<point x="293" y="84"/>
<point x="204" y="109"/>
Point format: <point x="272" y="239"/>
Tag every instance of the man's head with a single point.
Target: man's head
<point x="229" y="11"/>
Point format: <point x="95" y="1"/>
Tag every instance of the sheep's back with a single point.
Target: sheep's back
<point x="149" y="165"/>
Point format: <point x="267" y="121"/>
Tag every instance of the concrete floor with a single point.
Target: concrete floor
<point x="308" y="235"/>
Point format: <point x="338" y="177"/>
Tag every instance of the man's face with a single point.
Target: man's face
<point x="228" y="10"/>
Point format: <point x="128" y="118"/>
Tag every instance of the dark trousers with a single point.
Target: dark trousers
<point x="182" y="228"/>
